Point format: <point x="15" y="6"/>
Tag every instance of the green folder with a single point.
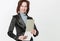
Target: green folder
<point x="29" y="25"/>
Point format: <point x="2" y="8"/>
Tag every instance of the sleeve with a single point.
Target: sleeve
<point x="37" y="32"/>
<point x="11" y="28"/>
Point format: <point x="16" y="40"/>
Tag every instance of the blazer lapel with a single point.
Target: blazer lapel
<point x="21" y="20"/>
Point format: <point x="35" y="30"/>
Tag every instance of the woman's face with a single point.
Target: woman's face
<point x="23" y="7"/>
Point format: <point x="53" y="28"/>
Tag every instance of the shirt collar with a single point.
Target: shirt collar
<point x="22" y="14"/>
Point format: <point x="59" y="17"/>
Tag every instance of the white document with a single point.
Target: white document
<point x="29" y="28"/>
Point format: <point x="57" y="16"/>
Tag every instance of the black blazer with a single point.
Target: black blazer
<point x="20" y="26"/>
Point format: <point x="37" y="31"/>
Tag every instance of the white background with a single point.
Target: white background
<point x="46" y="14"/>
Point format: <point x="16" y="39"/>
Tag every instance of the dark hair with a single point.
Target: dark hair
<point x="20" y="3"/>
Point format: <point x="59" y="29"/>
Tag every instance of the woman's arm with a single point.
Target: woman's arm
<point x="37" y="32"/>
<point x="11" y="28"/>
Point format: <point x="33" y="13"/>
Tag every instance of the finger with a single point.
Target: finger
<point x="25" y="37"/>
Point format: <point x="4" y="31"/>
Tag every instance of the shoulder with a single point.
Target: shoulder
<point x="30" y="17"/>
<point x="15" y="15"/>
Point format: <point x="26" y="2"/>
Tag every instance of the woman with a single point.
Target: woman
<point x="18" y="21"/>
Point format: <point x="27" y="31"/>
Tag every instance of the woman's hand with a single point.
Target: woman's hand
<point x="33" y="32"/>
<point x="22" y="37"/>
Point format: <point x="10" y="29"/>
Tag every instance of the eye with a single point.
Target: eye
<point x="25" y="6"/>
